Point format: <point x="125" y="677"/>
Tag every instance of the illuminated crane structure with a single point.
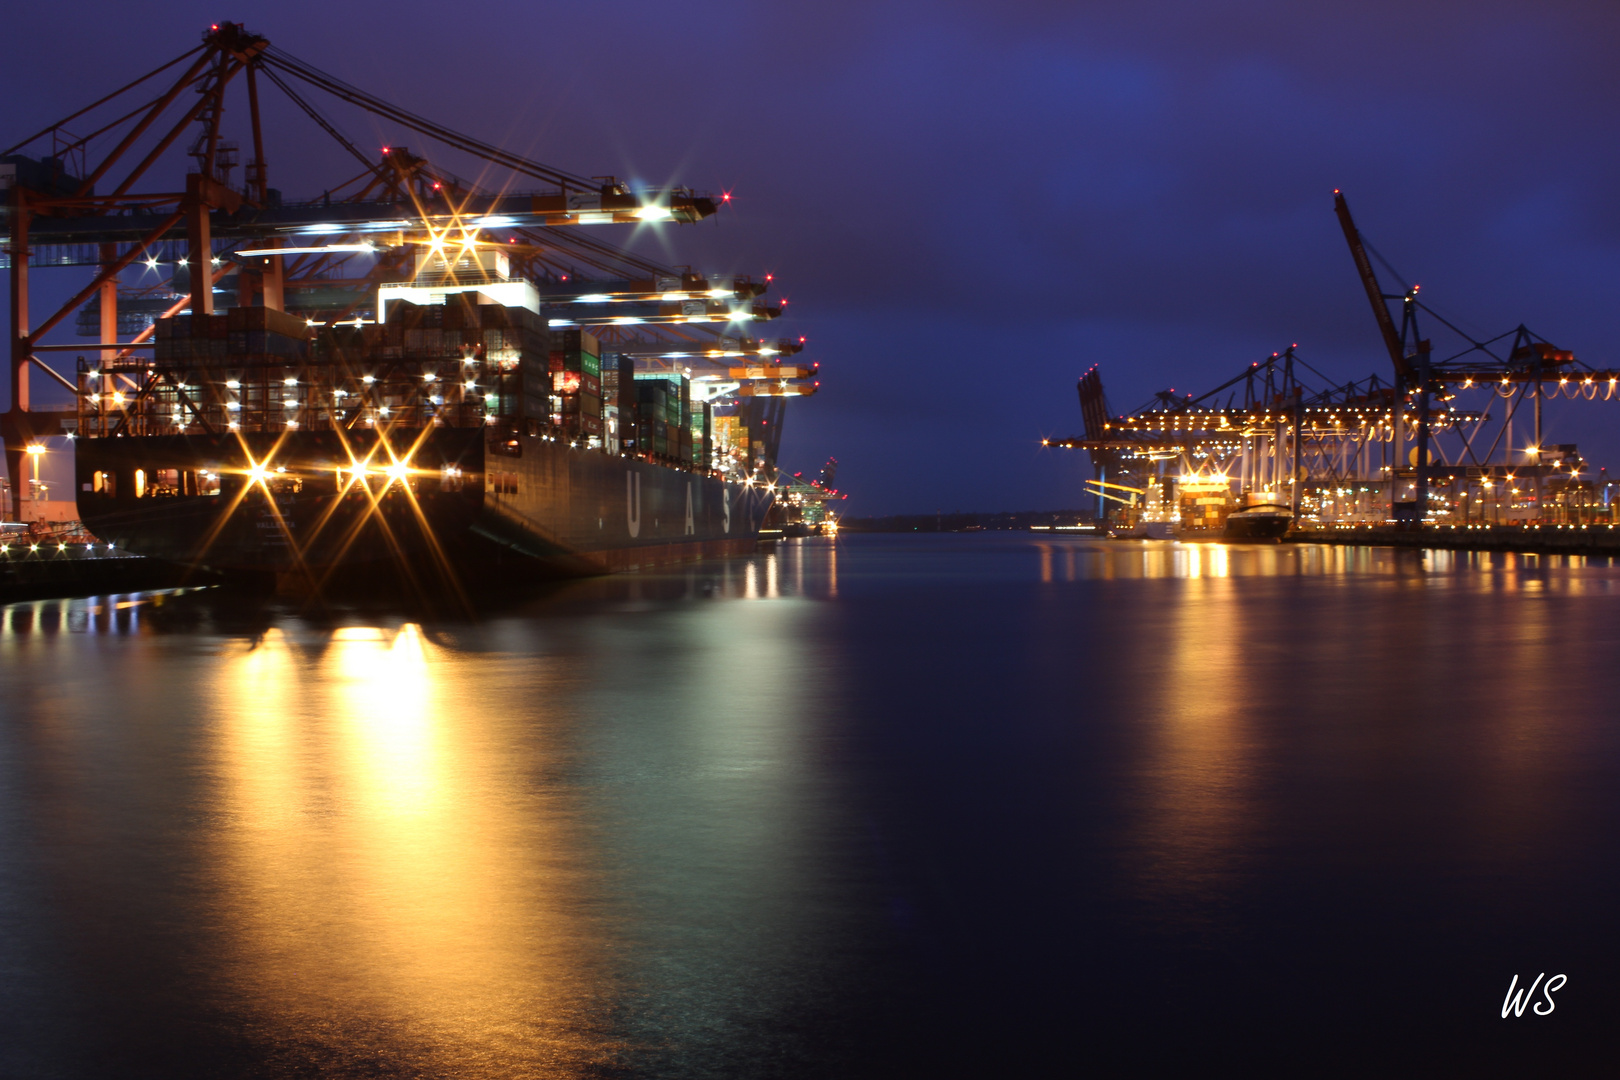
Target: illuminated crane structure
<point x="804" y="502"/>
<point x="1439" y="435"/>
<point x="80" y="193"/>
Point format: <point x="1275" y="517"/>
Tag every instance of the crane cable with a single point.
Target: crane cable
<point x="338" y="88"/>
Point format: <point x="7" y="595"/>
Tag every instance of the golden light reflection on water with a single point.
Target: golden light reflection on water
<point x="382" y="869"/>
<point x="509" y="854"/>
<point x="1196" y="798"/>
<point x="367" y="870"/>
<point x="1235" y="684"/>
<point x="1116" y="560"/>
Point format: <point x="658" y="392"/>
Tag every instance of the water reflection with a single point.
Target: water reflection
<point x="117" y="613"/>
<point x="694" y="822"/>
<point x="1195" y="800"/>
<point x="368" y="868"/>
<point x="561" y="840"/>
<point x="1082" y="560"/>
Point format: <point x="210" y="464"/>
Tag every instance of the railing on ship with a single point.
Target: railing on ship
<point x="208" y="378"/>
<point x="215" y="392"/>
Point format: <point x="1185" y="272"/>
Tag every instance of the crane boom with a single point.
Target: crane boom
<point x="1115" y="498"/>
<point x="1375" y="295"/>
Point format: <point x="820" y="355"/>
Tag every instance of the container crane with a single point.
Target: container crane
<point x="79" y="208"/>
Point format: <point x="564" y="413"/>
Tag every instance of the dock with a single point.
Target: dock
<point x="41" y="571"/>
<point x="1600" y="539"/>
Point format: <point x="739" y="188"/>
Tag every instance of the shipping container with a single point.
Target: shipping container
<point x="581" y="363"/>
<point x="580" y="341"/>
<point x="267" y="320"/>
<point x="627" y="384"/>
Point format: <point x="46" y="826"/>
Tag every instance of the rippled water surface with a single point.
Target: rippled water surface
<point x="899" y="805"/>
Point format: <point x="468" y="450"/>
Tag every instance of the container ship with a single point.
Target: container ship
<point x="449" y="436"/>
<point x="413" y="373"/>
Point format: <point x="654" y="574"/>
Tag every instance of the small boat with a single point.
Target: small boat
<point x="1265" y="516"/>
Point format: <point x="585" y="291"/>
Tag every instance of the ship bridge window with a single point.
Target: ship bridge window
<point x="161" y="484"/>
<point x="501" y="483"/>
<point x="450" y="479"/>
<point x="104" y="483"/>
<point x="140" y="483"/>
<point x="203" y="482"/>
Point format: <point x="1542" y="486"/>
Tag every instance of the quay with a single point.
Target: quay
<point x="1585" y="539"/>
<point x="35" y="571"/>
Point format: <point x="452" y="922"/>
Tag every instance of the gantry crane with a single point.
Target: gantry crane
<point x="71" y="204"/>
<point x="1269" y="430"/>
<point x="1529" y="364"/>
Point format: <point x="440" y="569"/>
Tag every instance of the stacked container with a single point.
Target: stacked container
<point x="652" y="410"/>
<point x="702" y="439"/>
<point x="259" y="331"/>
<point x="514" y="342"/>
<point x="511" y="344"/>
<point x="256" y="369"/>
<point x="576" y="382"/>
<point x="630" y="437"/>
<point x="683" y="451"/>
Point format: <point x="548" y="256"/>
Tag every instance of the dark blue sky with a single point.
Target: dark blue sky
<point x="969" y="204"/>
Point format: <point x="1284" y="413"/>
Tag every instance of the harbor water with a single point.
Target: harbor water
<point x="890" y="805"/>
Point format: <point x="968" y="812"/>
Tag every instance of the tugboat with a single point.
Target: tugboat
<point x="1265" y="516"/>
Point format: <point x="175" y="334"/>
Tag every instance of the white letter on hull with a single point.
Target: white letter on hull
<point x="725" y="511"/>
<point x="632" y="502"/>
<point x="689" y="529"/>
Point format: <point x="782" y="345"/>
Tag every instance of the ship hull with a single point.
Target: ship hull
<point x="1258" y="525"/>
<point x="466" y="501"/>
